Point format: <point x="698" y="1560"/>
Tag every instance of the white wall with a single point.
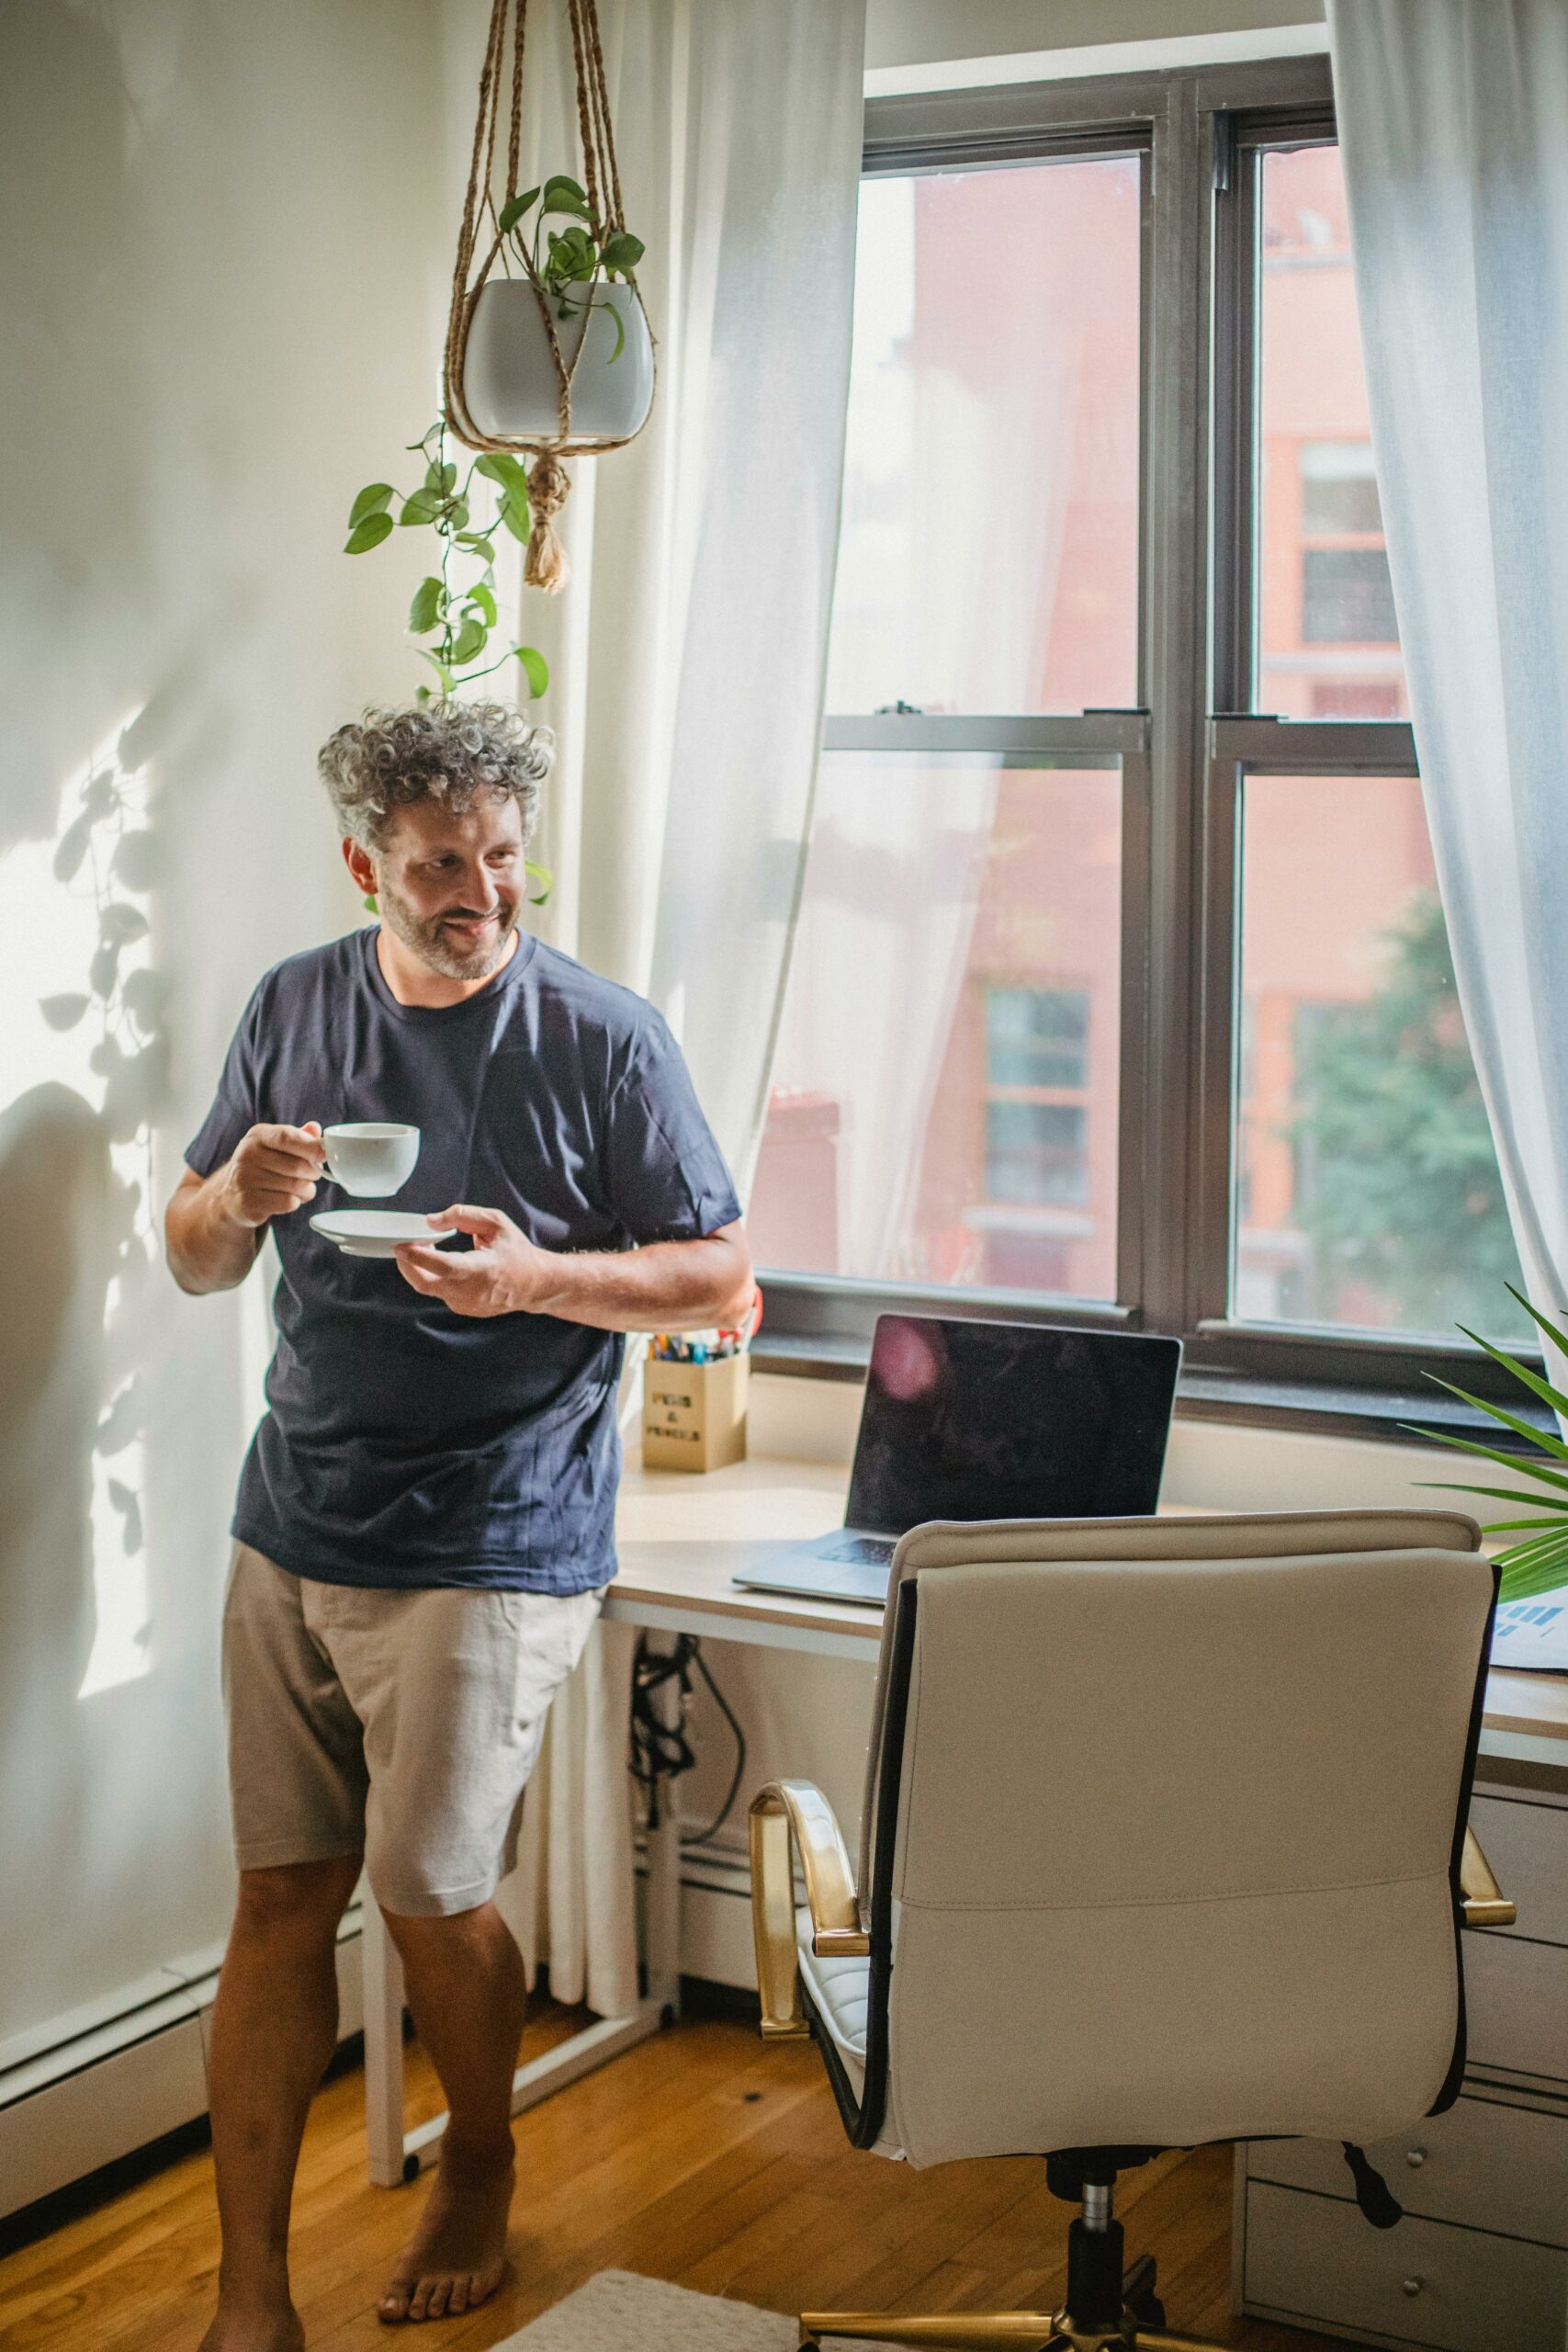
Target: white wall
<point x="921" y="32"/>
<point x="226" y="238"/>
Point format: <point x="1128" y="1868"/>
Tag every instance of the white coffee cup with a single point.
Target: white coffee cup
<point x="371" y="1157"/>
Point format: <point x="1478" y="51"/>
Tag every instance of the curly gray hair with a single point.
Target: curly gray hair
<point x="457" y="753"/>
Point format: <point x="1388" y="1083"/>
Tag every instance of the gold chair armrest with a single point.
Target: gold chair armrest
<point x="1485" y="1904"/>
<point x="790" y="1815"/>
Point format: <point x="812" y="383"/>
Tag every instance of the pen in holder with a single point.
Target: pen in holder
<point x="694" y="1388"/>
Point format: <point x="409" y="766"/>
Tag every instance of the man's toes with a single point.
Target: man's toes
<point x="419" y="2301"/>
<point x="394" y="2302"/>
<point x="440" y="2294"/>
<point x="458" y="2300"/>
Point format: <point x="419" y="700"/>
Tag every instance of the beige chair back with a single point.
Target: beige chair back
<point x="1174" y="1851"/>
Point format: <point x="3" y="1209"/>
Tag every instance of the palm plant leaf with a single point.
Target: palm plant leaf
<point x="1520" y="1371"/>
<point x="1495" y="1494"/>
<point x="1516" y="1464"/>
<point x="1544" y="1441"/>
<point x="1528" y="1583"/>
<point x="1559" y="1338"/>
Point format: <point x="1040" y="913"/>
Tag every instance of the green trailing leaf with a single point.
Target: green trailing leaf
<point x="620" y="331"/>
<point x="369" y="904"/>
<point x="477" y="543"/>
<point x="373" y="500"/>
<point x="562" y="194"/>
<point x="514" y="210"/>
<point x="425" y="609"/>
<point x="481" y="600"/>
<point x="456" y="518"/>
<point x="500" y="466"/>
<point x="622" y="253"/>
<point x="370" y="533"/>
<point x="516" y="520"/>
<point x="536" y="669"/>
<point x="442" y="479"/>
<point x="545" y="879"/>
<point x="423" y="506"/>
<point x="468" y="644"/>
<point x="442" y="671"/>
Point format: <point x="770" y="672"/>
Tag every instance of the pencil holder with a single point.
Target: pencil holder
<point x="693" y="1415"/>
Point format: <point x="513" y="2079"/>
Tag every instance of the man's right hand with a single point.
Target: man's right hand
<point x="272" y="1171"/>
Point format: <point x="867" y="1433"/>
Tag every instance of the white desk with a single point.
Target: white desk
<point x="662" y="1587"/>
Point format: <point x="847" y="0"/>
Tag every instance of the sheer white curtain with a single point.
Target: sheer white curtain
<point x="1453" y="121"/>
<point x="688" y="655"/>
<point x="898" y="865"/>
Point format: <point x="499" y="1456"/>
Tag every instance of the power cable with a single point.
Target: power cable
<point x="659" y="1750"/>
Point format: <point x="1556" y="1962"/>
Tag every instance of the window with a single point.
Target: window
<point x="963" y="1131"/>
<point x="988" y="551"/>
<point x="1121" y="988"/>
<point x="1038" y="1172"/>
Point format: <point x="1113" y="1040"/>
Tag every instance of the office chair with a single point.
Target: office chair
<point x="1164" y="1842"/>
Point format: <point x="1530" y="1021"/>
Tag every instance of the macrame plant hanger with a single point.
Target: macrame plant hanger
<point x="545" y="565"/>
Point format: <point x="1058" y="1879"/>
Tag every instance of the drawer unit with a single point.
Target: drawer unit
<point x="1516" y="1996"/>
<point x="1486" y="2164"/>
<point x="1313" y="2261"/>
<point x="1480" y="2262"/>
<point x="1527" y="1846"/>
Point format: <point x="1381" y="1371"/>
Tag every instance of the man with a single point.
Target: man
<point x="424" y="1519"/>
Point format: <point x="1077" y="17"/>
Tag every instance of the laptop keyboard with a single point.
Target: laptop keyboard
<point x="861" y="1551"/>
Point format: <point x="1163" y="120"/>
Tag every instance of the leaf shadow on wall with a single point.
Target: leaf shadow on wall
<point x="55" y="1269"/>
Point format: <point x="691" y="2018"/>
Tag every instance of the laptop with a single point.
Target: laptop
<point x="987" y="1421"/>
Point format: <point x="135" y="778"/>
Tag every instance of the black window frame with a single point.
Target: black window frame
<point x="1183" y="750"/>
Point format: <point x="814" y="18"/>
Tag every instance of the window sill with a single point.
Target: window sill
<point x="1309" y="1408"/>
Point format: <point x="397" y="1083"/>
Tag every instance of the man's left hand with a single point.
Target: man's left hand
<point x="503" y="1273"/>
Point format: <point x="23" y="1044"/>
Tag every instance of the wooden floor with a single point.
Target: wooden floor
<point x="699" y="2157"/>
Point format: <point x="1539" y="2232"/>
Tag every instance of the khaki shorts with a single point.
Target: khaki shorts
<point x="405" y="1725"/>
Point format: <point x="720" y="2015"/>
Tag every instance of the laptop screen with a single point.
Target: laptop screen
<point x="1009" y="1420"/>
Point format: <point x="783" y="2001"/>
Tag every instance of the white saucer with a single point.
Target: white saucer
<point x="374" y="1233"/>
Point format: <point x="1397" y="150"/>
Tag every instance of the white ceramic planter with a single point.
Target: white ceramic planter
<point x="509" y="378"/>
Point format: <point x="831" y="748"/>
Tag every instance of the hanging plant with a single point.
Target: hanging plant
<point x="458" y="613"/>
<point x="552" y="358"/>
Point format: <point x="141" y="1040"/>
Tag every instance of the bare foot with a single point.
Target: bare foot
<point x="457" y="2254"/>
<point x="259" y="2322"/>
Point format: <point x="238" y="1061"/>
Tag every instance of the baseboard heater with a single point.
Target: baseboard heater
<point x="96" y="2096"/>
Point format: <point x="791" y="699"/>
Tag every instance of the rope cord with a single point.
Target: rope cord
<point x="549" y="481"/>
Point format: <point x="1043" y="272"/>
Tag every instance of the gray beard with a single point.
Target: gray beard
<point x="435" y="948"/>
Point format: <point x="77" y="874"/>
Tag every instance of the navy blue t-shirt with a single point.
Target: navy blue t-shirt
<point x="404" y="1444"/>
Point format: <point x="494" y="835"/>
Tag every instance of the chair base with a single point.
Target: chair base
<point x="997" y="2332"/>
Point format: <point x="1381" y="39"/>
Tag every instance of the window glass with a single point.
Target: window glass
<point x="1327" y="640"/>
<point x="944" y="1106"/>
<point x="988" y="550"/>
<point x="1367" y="1192"/>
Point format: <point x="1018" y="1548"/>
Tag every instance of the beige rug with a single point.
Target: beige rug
<point x="618" y="2311"/>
